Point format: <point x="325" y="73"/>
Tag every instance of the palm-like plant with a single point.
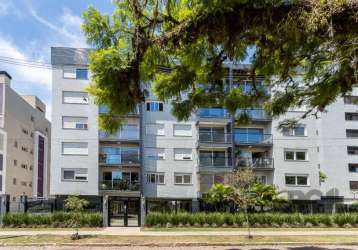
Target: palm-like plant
<point x="264" y="195"/>
<point x="219" y="195"/>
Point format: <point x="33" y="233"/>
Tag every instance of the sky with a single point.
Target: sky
<point x="28" y="30"/>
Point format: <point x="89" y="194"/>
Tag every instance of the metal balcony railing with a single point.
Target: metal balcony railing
<point x="255" y="114"/>
<point x="214" y="137"/>
<point x="119" y="159"/>
<point x="218" y="113"/>
<point x="119" y="185"/>
<point x="215" y="162"/>
<point x="254" y="162"/>
<point x="252" y="138"/>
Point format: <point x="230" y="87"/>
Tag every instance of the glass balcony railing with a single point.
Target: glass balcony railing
<point x="118" y="185"/>
<point x="123" y="134"/>
<point x="119" y="155"/>
<point x="215" y="162"/>
<point x="254" y="162"/>
<point x="255" y="114"/>
<point x="248" y="138"/>
<point x="218" y="113"/>
<point x="214" y="137"/>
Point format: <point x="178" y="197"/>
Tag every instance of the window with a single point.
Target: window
<point x="352" y="150"/>
<point x="296" y="180"/>
<point x="75" y="97"/>
<point x="155" y="153"/>
<point x="77" y="174"/>
<point x="15" y="162"/>
<point x="32" y="119"/>
<point x="75" y="148"/>
<point x="295" y="155"/>
<point x="182" y="130"/>
<point x="15" y="144"/>
<point x="350" y="99"/>
<point x="154" y="129"/>
<point x="352" y="133"/>
<point x="25" y="149"/>
<point x="351" y="116"/>
<point x="299" y="130"/>
<point x="353" y="185"/>
<point x="154" y="106"/>
<point x="69" y="72"/>
<point x="24" y="166"/>
<point x="182" y="154"/>
<point x="82" y="74"/>
<point x="353" y="167"/>
<point x="155" y="178"/>
<point x="14" y="181"/>
<point x="69" y="122"/>
<point x="182" y="179"/>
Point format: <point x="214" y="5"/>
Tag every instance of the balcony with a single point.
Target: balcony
<point x="255" y="163"/>
<point x="118" y="185"/>
<point x="212" y="138"/>
<point x="253" y="139"/>
<point x="213" y="113"/>
<point x="255" y="114"/>
<point x="119" y="156"/>
<point x="103" y="109"/>
<point x="218" y="163"/>
<point x="127" y="133"/>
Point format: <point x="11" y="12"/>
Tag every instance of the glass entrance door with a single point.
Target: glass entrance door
<point x="124" y="212"/>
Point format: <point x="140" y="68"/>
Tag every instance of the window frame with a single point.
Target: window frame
<point x="291" y="132"/>
<point x="295" y="151"/>
<point x="85" y="127"/>
<point x="177" y="159"/>
<point x="351" y="149"/>
<point x="182" y="135"/>
<point x="155" y="124"/>
<point x="75" y="103"/>
<point x="154" y="108"/>
<point x="350" y="185"/>
<point x="350" y="137"/>
<point x="62" y="148"/>
<point x="75" y="175"/>
<point x="77" y="70"/>
<point x="156" y="178"/>
<point x="296" y="176"/>
<point x="182" y="175"/>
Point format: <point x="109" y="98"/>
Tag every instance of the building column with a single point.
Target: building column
<point x="105" y="211"/>
<point x="195" y="205"/>
<point x="142" y="210"/>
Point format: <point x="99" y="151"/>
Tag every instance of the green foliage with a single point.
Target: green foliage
<point x="136" y="45"/>
<point x="59" y="219"/>
<point x="75" y="204"/>
<point x="322" y="176"/>
<point x="219" y="195"/>
<point x="264" y="195"/>
<point x="255" y="219"/>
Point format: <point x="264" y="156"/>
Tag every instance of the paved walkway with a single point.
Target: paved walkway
<point x="135" y="231"/>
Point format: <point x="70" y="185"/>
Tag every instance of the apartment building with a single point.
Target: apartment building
<point x="155" y="162"/>
<point x="24" y="144"/>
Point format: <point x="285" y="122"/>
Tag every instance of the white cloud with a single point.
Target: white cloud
<point x="7" y="7"/>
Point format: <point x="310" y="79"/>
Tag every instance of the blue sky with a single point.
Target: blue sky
<point x="28" y="30"/>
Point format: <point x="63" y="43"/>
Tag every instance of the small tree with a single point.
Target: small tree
<point x="219" y="196"/>
<point x="75" y="203"/>
<point x="265" y="195"/>
<point x="241" y="182"/>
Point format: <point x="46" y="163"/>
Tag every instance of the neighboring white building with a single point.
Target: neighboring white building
<point x="24" y="145"/>
<point x="157" y="163"/>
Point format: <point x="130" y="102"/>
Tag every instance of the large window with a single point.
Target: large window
<point x="154" y="129"/>
<point x="75" y="73"/>
<point x="119" y="155"/>
<point x="182" y="130"/>
<point x="351" y="116"/>
<point x="72" y="122"/>
<point x="75" y="97"/>
<point x="210" y="158"/>
<point x="353" y="185"/>
<point x="154" y="106"/>
<point x="299" y="130"/>
<point x="350" y="99"/>
<point x="352" y="133"/>
<point x="155" y="178"/>
<point x="82" y="74"/>
<point x="295" y="155"/>
<point x="353" y="167"/>
<point x="183" y="154"/>
<point x="352" y="150"/>
<point x="296" y="180"/>
<point x="155" y="153"/>
<point x="182" y="178"/>
<point x="75" y="148"/>
<point x="75" y="174"/>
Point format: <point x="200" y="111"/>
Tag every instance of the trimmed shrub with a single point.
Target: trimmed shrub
<point x="60" y="219"/>
<point x="255" y="219"/>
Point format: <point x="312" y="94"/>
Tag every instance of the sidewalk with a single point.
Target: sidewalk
<point x="136" y="231"/>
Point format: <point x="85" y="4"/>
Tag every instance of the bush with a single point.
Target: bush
<point x="60" y="219"/>
<point x="255" y="219"/>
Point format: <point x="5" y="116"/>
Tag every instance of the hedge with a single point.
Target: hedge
<point x="58" y="219"/>
<point x="255" y="220"/>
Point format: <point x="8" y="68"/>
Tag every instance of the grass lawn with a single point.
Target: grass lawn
<point x="171" y="240"/>
<point x="231" y="229"/>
